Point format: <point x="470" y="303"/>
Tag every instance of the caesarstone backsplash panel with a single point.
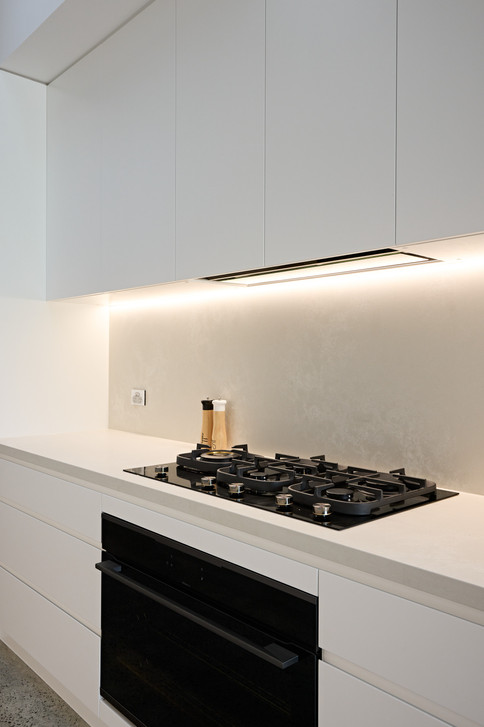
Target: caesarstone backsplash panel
<point x="382" y="369"/>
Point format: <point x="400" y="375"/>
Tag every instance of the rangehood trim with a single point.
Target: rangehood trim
<point x="341" y="265"/>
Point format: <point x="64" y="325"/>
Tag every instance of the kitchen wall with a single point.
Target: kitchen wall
<point x="379" y="369"/>
<point x="53" y="356"/>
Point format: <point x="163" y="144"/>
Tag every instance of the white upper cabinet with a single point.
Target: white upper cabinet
<point x="211" y="136"/>
<point x="330" y="140"/>
<point x="220" y="136"/>
<point x="440" y="119"/>
<point x="111" y="162"/>
<point x="74" y="182"/>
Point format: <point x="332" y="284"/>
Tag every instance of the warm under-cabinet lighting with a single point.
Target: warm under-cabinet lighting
<point x="321" y="268"/>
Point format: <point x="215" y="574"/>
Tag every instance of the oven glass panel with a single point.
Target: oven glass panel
<point x="160" y="668"/>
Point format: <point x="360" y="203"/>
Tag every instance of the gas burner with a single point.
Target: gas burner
<point x="340" y="493"/>
<point x="313" y="466"/>
<point x="203" y="459"/>
<point x="259" y="477"/>
<point x="378" y="494"/>
<point x="264" y="475"/>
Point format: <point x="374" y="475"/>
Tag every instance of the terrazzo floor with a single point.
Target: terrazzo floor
<point x="27" y="701"/>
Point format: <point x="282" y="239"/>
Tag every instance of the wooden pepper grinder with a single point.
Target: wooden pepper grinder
<point x="219" y="431"/>
<point x="207" y="423"/>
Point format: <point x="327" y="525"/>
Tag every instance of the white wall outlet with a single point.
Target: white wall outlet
<point x="138" y="397"/>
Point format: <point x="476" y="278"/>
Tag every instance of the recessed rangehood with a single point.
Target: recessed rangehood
<point x="447" y="250"/>
<point x="341" y="265"/>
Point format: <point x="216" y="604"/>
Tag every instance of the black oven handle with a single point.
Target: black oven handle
<point x="273" y="653"/>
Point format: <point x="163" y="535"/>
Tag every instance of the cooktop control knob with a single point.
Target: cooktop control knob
<point x="208" y="483"/>
<point x="321" y="510"/>
<point x="161" y="470"/>
<point x="283" y="501"/>
<point x="236" y="489"/>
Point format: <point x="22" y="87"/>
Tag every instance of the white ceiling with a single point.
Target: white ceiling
<point x="68" y="34"/>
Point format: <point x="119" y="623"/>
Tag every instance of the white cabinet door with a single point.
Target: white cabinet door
<point x="220" y="136"/>
<point x="62" y="651"/>
<point x="330" y="140"/>
<point x="74" y="182"/>
<point x="58" y="566"/>
<point x="429" y="653"/>
<point x="111" y="162"/>
<point x="345" y="701"/>
<point x="440" y="119"/>
<point x="137" y="69"/>
<point x="63" y="504"/>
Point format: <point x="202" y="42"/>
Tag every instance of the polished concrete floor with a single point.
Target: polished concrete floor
<point x="27" y="701"/>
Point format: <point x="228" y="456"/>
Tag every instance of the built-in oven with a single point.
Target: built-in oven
<point x="192" y="639"/>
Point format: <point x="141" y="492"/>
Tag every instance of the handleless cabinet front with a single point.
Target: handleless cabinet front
<point x="330" y="139"/>
<point x="440" y="118"/>
<point x="429" y="658"/>
<point x="50" y="591"/>
<point x="219" y="136"/>
<point x="111" y="162"/>
<point x="345" y="701"/>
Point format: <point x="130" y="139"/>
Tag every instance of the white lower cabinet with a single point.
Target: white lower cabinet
<point x="63" y="504"/>
<point x="53" y="563"/>
<point x="50" y="591"/>
<point x="61" y="650"/>
<point x="435" y="660"/>
<point x="345" y="701"/>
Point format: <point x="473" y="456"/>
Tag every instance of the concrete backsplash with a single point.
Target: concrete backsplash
<point x="382" y="369"/>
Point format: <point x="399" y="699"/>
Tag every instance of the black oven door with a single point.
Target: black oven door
<point x="170" y="659"/>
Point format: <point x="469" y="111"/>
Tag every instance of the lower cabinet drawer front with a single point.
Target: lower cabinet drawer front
<point x="345" y="701"/>
<point x="67" y="651"/>
<point x="58" y="565"/>
<point x="430" y="653"/>
<point x="72" y="507"/>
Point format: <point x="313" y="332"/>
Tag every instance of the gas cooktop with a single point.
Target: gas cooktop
<point x="313" y="490"/>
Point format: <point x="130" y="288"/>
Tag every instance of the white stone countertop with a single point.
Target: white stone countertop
<point x="433" y="554"/>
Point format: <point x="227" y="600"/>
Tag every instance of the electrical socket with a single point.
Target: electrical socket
<point x="138" y="397"/>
